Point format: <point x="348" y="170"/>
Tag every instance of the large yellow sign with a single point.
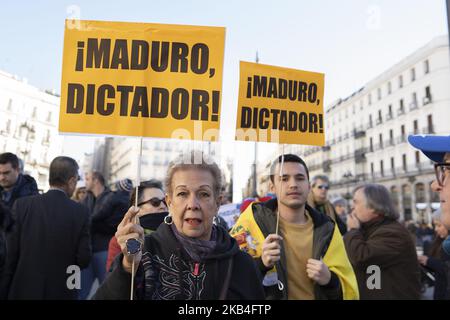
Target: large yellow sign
<point x="141" y="79"/>
<point x="280" y="105"/>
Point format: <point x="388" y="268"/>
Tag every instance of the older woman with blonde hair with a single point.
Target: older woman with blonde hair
<point x="188" y="257"/>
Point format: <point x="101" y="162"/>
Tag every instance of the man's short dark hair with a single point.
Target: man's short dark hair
<point x="62" y="169"/>
<point x="11" y="158"/>
<point x="287" y="158"/>
<point x="99" y="177"/>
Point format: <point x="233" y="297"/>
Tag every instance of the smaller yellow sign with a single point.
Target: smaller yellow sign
<point x="280" y="105"/>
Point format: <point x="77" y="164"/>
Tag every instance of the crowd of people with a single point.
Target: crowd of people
<point x="164" y="240"/>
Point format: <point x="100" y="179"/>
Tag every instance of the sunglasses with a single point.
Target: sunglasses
<point x="323" y="187"/>
<point x="442" y="169"/>
<point x="156" y="202"/>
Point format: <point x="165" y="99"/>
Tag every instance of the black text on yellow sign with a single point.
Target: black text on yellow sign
<point x="280" y="105"/>
<point x="139" y="79"/>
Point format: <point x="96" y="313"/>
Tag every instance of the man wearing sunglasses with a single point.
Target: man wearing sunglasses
<point x="437" y="148"/>
<point x="318" y="199"/>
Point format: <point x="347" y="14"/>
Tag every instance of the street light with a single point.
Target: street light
<point x="348" y="176"/>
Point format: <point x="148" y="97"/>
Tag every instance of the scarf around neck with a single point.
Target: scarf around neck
<point x="197" y="249"/>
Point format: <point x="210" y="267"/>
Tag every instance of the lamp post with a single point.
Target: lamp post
<point x="348" y="177"/>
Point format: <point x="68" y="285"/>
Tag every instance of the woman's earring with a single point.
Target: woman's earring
<point x="168" y="220"/>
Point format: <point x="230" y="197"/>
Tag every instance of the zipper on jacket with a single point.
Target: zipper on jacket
<point x="195" y="273"/>
<point x="196" y="267"/>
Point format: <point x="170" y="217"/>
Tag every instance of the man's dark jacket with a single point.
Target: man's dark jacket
<point x="50" y="236"/>
<point x="106" y="212"/>
<point x="383" y="245"/>
<point x="25" y="186"/>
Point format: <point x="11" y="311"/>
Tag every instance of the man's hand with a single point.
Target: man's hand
<point x="353" y="222"/>
<point x="271" y="250"/>
<point x="128" y="229"/>
<point x="318" y="271"/>
<point x="423" y="260"/>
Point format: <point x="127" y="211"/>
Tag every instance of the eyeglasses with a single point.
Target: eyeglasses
<point x="323" y="186"/>
<point x="154" y="202"/>
<point x="442" y="169"/>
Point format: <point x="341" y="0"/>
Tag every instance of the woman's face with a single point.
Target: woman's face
<point x="81" y="194"/>
<point x="147" y="207"/>
<point x="193" y="203"/>
<point x="440" y="229"/>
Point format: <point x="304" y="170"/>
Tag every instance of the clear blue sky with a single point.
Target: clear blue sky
<point x="350" y="41"/>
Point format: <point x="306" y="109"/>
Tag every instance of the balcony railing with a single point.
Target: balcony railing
<point x="359" y="134"/>
<point x="401" y="139"/>
<point x="326" y="166"/>
<point x="427" y="100"/>
<point x="428" y="129"/>
<point x="413" y="105"/>
<point x="360" y="155"/>
<point x="378" y="146"/>
<point x="389" y="142"/>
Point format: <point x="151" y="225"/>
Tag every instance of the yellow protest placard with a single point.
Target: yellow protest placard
<point x="280" y="105"/>
<point x="141" y="79"/>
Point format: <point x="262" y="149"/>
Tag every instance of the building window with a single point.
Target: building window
<point x="389" y="112"/>
<point x="414" y="101"/>
<point x="381" y="140"/>
<point x="371" y="145"/>
<point x="417" y="157"/>
<point x="413" y="74"/>
<point x="370" y="99"/>
<point x="402" y="130"/>
<point x="34" y="113"/>
<point x="382" y="168"/>
<point x="426" y="66"/>
<point x="353" y="109"/>
<point x="430" y="128"/>
<point x="401" y="110"/>
<point x="416" y="127"/>
<point x="392" y="164"/>
<point x="361" y="105"/>
<point x="427" y="98"/>
<point x="379" y="93"/>
<point x="391" y="137"/>
<point x="405" y="168"/>
<point x="380" y="118"/>
<point x="9" y="105"/>
<point x="371" y="168"/>
<point x="389" y="87"/>
<point x="400" y="81"/>
<point x="49" y="117"/>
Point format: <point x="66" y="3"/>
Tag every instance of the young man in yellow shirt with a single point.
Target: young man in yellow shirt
<point x="306" y="259"/>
